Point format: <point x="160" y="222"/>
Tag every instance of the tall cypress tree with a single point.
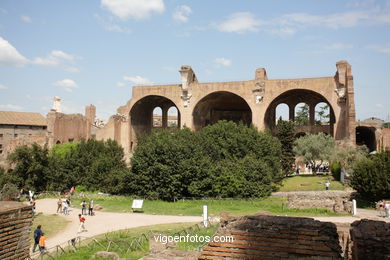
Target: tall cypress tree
<point x="285" y="134"/>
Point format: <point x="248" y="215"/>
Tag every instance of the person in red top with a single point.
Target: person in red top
<point x="81" y="226"/>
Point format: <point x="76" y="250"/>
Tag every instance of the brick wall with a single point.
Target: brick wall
<point x="272" y="237"/>
<point x="15" y="226"/>
<point x="371" y="240"/>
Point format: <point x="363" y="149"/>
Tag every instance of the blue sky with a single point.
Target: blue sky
<point x="93" y="52"/>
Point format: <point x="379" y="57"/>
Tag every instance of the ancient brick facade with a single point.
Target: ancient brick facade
<point x="15" y="226"/>
<point x="251" y="102"/>
<point x="272" y="237"/>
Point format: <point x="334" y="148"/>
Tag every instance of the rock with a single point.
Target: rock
<point x="97" y="207"/>
<point x="106" y="255"/>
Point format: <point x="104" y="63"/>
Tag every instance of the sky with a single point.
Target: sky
<point x="95" y="51"/>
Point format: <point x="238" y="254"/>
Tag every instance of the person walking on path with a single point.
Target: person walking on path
<point x="81" y="225"/>
<point x="327" y="184"/>
<point x="65" y="207"/>
<point x="90" y="208"/>
<point x="83" y="208"/>
<point x="37" y="235"/>
<point x="59" y="205"/>
<point x="42" y="243"/>
<point x="387" y="209"/>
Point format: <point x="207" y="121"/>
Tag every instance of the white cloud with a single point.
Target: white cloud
<point x="136" y="9"/>
<point x="380" y="48"/>
<point x="339" y="46"/>
<point x="181" y="14"/>
<point x="3" y="87"/>
<point x="240" y="23"/>
<point x="72" y="69"/>
<point x="379" y="105"/>
<point x="67" y="84"/>
<point x="109" y="26"/>
<point x="26" y="19"/>
<point x="55" y="58"/>
<point x="9" y="55"/>
<point x="222" y="62"/>
<point x="11" y="107"/>
<point x="138" y="80"/>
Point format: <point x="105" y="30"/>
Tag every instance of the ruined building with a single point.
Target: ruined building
<point x="251" y="102"/>
<point x="197" y="104"/>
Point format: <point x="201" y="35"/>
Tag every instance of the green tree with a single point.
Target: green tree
<point x="285" y="131"/>
<point x="315" y="148"/>
<point x="371" y="176"/>
<point x="346" y="154"/>
<point x="302" y="115"/>
<point x="31" y="169"/>
<point x="221" y="160"/>
<point x="323" y="115"/>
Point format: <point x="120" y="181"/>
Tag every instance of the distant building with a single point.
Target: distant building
<point x="20" y="128"/>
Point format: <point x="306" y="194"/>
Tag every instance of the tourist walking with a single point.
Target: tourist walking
<point x="37" y="235"/>
<point x="42" y="243"/>
<point x="83" y="208"/>
<point x="387" y="209"/>
<point x="90" y="208"/>
<point x="327" y="184"/>
<point x="65" y="207"/>
<point x="59" y="205"/>
<point x="81" y="225"/>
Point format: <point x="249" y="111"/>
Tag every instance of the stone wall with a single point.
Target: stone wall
<point x="386" y="139"/>
<point x="15" y="226"/>
<point x="337" y="201"/>
<point x="371" y="240"/>
<point x="274" y="237"/>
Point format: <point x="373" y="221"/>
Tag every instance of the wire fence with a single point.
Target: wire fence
<point x="109" y="244"/>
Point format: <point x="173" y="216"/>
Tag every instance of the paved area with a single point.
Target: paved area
<point x="103" y="222"/>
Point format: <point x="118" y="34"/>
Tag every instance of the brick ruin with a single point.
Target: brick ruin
<point x="277" y="237"/>
<point x="15" y="226"/>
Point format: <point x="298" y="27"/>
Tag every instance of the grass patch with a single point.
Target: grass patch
<point x="51" y="224"/>
<point x="309" y="183"/>
<point x="236" y="207"/>
<point x="123" y="237"/>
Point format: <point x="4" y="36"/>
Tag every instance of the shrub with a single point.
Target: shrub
<point x="222" y="160"/>
<point x="371" y="176"/>
<point x="335" y="168"/>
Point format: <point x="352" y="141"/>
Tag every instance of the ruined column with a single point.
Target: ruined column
<point x="291" y="112"/>
<point x="312" y="114"/>
<point x="164" y="117"/>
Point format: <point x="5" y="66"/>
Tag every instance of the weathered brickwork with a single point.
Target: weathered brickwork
<point x="371" y="240"/>
<point x="271" y="237"/>
<point x="15" y="226"/>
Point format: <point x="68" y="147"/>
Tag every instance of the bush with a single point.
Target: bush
<point x="335" y="168"/>
<point x="371" y="176"/>
<point x="9" y="192"/>
<point x="222" y="160"/>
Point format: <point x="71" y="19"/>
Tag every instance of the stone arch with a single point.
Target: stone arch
<point x="221" y="105"/>
<point x="294" y="97"/>
<point x="366" y="136"/>
<point x="141" y="113"/>
<point x="58" y="142"/>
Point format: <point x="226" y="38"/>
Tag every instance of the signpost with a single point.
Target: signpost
<point x="205" y="216"/>
<point x="137" y="205"/>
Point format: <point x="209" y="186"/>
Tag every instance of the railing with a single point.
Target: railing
<point x="120" y="246"/>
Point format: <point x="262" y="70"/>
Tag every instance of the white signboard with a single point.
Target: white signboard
<point x="137" y="204"/>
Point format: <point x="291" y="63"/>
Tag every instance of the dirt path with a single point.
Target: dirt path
<point x="103" y="222"/>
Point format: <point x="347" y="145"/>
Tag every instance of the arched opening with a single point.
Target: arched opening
<point x="173" y="118"/>
<point x="157" y="117"/>
<point x="282" y="112"/>
<point x="221" y="105"/>
<point x="301" y="104"/>
<point x="366" y="136"/>
<point x="58" y="142"/>
<point x="322" y="114"/>
<point x="302" y="114"/>
<point x="150" y="112"/>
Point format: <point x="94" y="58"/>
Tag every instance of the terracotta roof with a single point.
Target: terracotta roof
<point x="21" y="118"/>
